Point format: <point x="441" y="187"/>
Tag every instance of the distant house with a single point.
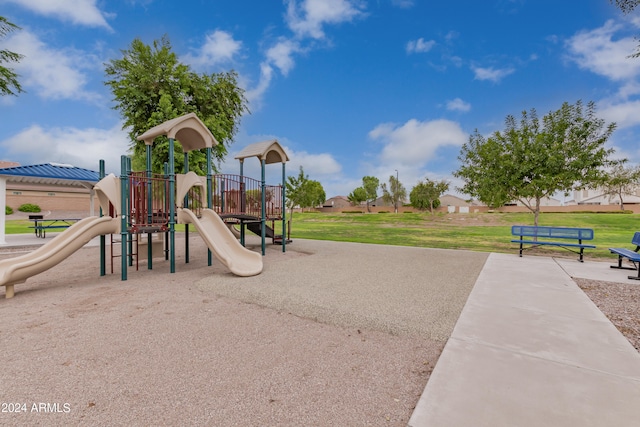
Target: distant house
<point x="338" y="202"/>
<point x="596" y="196"/>
<point x="380" y="202"/>
<point x="545" y="201"/>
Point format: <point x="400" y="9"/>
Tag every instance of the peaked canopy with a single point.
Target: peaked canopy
<point x="51" y="174"/>
<point x="269" y="151"/>
<point x="188" y="130"/>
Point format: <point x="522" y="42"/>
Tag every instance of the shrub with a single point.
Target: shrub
<point x="8" y="210"/>
<point x="28" y="207"/>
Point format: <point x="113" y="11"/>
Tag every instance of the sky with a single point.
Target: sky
<point x="349" y="88"/>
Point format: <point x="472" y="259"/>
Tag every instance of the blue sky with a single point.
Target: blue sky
<point x="349" y="87"/>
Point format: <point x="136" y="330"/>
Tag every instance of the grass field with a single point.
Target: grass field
<point x="490" y="232"/>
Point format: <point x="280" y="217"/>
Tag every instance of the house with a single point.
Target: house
<point x="337" y="202"/>
<point x="591" y="196"/>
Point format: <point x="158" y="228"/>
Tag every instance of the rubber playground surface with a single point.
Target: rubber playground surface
<point x="329" y="334"/>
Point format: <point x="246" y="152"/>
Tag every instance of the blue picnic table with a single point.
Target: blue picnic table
<point x="41" y="225"/>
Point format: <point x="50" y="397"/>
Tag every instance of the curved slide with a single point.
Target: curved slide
<point x="19" y="269"/>
<point x="224" y="245"/>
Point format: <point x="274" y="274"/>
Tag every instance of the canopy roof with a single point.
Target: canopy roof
<point x="52" y="174"/>
<point x="269" y="151"/>
<point x="188" y="130"/>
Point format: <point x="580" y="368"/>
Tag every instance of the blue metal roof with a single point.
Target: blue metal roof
<point x="51" y="173"/>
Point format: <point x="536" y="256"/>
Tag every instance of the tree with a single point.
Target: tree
<point x="370" y="185"/>
<point x="628" y="6"/>
<point x="427" y="194"/>
<point x="150" y="86"/>
<point x="357" y="196"/>
<point x="294" y="187"/>
<point x="314" y="194"/>
<point x="533" y="159"/>
<point x="9" y="84"/>
<point x="304" y="192"/>
<point x="620" y="181"/>
<point x="395" y="194"/>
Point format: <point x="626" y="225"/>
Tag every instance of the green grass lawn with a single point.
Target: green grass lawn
<point x="489" y="232"/>
<point x="21" y="226"/>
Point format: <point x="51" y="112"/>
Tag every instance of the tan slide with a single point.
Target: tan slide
<point x="19" y="269"/>
<point x="224" y="245"/>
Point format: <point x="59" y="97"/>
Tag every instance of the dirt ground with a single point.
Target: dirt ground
<point x="157" y="349"/>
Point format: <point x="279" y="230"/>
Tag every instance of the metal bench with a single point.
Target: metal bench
<point x="553" y="236"/>
<point x="631" y="255"/>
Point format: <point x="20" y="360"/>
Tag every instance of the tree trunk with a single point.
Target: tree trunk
<point x="536" y="212"/>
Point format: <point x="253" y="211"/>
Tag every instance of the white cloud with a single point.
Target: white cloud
<point x="219" y="47"/>
<point x="281" y="55"/>
<point x="255" y="94"/>
<point x="403" y="4"/>
<point x="458" y="104"/>
<point x="419" y="46"/>
<point x="596" y="51"/>
<point x="79" y="12"/>
<point x="52" y="73"/>
<point x="490" y="73"/>
<point x="80" y="147"/>
<point x="415" y="143"/>
<point x="625" y="114"/>
<point x="308" y="18"/>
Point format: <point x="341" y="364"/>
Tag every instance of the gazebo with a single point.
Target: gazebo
<point x="48" y="174"/>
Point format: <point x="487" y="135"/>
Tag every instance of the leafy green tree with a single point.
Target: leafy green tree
<point x="9" y="84"/>
<point x="395" y="194"/>
<point x="534" y="159"/>
<point x="622" y="180"/>
<point x="357" y="196"/>
<point x="370" y="185"/>
<point x="303" y="192"/>
<point x="426" y="194"/>
<point x="294" y="190"/>
<point x="314" y="194"/>
<point x="151" y="86"/>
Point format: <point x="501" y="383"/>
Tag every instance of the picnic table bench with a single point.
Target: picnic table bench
<point x="631" y="255"/>
<point x="41" y="225"/>
<point x="553" y="236"/>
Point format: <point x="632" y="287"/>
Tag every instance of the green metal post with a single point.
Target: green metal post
<point x="209" y="197"/>
<point x="103" y="251"/>
<point x="284" y="209"/>
<point x="186" y="205"/>
<point x="149" y="209"/>
<point x="242" y="224"/>
<point x="124" y="214"/>
<point x="129" y="235"/>
<point x="263" y="213"/>
<point x="172" y="208"/>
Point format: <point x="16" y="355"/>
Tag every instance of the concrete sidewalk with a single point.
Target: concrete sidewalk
<point x="531" y="349"/>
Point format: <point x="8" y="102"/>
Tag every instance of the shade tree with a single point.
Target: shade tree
<point x="532" y="158"/>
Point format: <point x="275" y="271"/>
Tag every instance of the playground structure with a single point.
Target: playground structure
<point x="139" y="203"/>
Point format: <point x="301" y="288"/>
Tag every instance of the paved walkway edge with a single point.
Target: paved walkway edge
<point x="530" y="349"/>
